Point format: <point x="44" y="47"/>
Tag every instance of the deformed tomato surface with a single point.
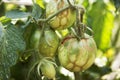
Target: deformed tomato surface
<point x="77" y="55"/>
<point x="64" y="19"/>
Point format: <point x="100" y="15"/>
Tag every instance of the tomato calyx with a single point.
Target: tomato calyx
<point x="46" y="67"/>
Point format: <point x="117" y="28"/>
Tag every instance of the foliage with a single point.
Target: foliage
<point x="11" y="42"/>
<point x="21" y="28"/>
<point x="105" y="20"/>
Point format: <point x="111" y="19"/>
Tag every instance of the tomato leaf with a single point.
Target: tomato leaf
<point x="11" y="42"/>
<point x="37" y="11"/>
<point x="101" y="19"/>
<point x="17" y="14"/>
<point x="4" y="20"/>
<point x="40" y="3"/>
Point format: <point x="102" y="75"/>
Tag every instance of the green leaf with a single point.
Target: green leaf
<point x="5" y="20"/>
<point x="37" y="11"/>
<point x="17" y="14"/>
<point x="11" y="42"/>
<point x="40" y="3"/>
<point x="28" y="33"/>
<point x="101" y="19"/>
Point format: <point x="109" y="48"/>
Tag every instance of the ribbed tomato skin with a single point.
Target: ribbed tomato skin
<point x="64" y="19"/>
<point x="77" y="55"/>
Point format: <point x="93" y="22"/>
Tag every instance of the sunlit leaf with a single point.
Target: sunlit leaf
<point x="40" y="3"/>
<point x="5" y="20"/>
<point x="107" y="31"/>
<point x="101" y="19"/>
<point x="11" y="42"/>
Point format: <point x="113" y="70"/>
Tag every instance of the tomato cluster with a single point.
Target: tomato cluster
<point x="74" y="54"/>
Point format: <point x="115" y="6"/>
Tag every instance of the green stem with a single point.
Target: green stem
<point x="88" y="28"/>
<point x="61" y="10"/>
<point x="69" y="2"/>
<point x="79" y="18"/>
<point x="27" y="23"/>
<point x="78" y="38"/>
<point x="77" y="76"/>
<point x="53" y="15"/>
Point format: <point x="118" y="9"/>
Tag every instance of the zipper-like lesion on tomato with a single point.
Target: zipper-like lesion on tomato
<point x="64" y="19"/>
<point x="79" y="54"/>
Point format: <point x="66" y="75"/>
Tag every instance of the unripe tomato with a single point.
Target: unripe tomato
<point x="48" y="43"/>
<point x="64" y="19"/>
<point x="77" y="55"/>
<point x="48" y="70"/>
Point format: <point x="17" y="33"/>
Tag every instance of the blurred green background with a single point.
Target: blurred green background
<point x="103" y="17"/>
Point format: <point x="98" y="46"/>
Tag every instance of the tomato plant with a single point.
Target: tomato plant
<point x="59" y="40"/>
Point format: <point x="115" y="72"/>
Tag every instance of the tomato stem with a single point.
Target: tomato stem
<point x="77" y="76"/>
<point x="72" y="29"/>
<point x="53" y="15"/>
<point x="79" y="23"/>
<point x="69" y="3"/>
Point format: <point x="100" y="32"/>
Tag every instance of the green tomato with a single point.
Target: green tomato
<point x="64" y="19"/>
<point x="77" y="55"/>
<point x="48" y="70"/>
<point x="48" y="43"/>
